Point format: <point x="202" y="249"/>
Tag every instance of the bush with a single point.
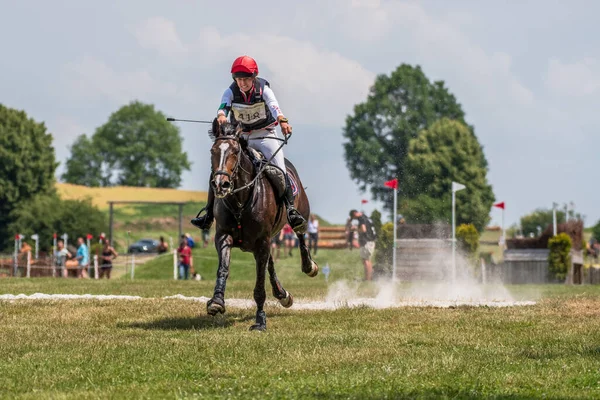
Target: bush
<point x="46" y="214"/>
<point x="376" y="218"/>
<point x="384" y="247"/>
<point x="559" y="258"/>
<point x="467" y="239"/>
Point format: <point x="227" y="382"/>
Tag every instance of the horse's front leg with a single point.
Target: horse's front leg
<point x="262" y="255"/>
<point x="223" y="243"/>
<point x="285" y="298"/>
<point x="309" y="267"/>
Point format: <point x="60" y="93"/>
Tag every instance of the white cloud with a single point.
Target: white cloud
<point x="440" y="43"/>
<point x="580" y="78"/>
<point x="159" y="33"/>
<point x="313" y="84"/>
<point x="90" y="78"/>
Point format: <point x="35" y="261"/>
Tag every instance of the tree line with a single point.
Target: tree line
<point x="135" y="147"/>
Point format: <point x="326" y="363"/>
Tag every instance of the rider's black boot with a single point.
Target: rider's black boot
<point x="296" y="220"/>
<point x="205" y="221"/>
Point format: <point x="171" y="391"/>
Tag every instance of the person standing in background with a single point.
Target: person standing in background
<point x="313" y="234"/>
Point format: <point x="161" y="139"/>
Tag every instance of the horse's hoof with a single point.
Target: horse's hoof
<point x="213" y="307"/>
<point x="258" y="327"/>
<point x="314" y="270"/>
<point x="287" y="301"/>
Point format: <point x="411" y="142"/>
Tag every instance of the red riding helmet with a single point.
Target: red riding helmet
<point x="244" y="67"/>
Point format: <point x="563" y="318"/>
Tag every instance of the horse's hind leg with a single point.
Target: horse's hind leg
<point x="285" y="298"/>
<point x="262" y="256"/>
<point x="309" y="267"/>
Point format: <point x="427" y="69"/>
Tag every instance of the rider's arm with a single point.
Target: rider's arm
<point x="225" y="103"/>
<point x="271" y="100"/>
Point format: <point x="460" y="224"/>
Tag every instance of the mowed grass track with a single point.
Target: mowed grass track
<point x="156" y="348"/>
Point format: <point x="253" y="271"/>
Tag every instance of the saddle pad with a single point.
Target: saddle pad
<point x="293" y="183"/>
<point x="257" y="155"/>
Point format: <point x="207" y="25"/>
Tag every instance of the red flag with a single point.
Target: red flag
<point x="363" y="201"/>
<point x="393" y="184"/>
<point x="499" y="205"/>
<point x="89" y="236"/>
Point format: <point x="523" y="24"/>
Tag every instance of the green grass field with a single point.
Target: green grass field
<point x="158" y="348"/>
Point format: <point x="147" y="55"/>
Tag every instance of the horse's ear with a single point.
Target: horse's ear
<point x="215" y="131"/>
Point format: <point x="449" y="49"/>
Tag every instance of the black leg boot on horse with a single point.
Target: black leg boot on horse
<point x="296" y="220"/>
<point x="205" y="221"/>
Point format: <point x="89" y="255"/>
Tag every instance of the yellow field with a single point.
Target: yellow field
<point x="101" y="196"/>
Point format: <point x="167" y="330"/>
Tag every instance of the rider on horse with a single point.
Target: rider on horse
<point x="253" y="104"/>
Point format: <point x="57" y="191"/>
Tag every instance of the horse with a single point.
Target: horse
<point x="248" y="213"/>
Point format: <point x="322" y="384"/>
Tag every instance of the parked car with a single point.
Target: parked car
<point x="144" y="246"/>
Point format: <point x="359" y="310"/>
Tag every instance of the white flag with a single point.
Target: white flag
<point x="457" y="186"/>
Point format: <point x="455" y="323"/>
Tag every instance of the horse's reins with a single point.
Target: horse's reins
<point x="266" y="164"/>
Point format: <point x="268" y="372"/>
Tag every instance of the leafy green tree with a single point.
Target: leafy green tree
<point x="27" y="167"/>
<point x="541" y="217"/>
<point x="136" y="147"/>
<point x="84" y="167"/>
<point x="447" y="151"/>
<point x="48" y="214"/>
<point x="378" y="133"/>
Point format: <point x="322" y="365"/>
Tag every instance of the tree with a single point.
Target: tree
<point x="27" y="167"/>
<point x="136" y="147"/>
<point x="447" y="151"/>
<point x="48" y="214"/>
<point x="596" y="231"/>
<point x="84" y="167"/>
<point x="397" y="109"/>
<point x="541" y="217"/>
<point x="559" y="257"/>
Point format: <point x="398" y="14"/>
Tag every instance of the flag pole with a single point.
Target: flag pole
<point x="395" y="232"/>
<point x="453" y="235"/>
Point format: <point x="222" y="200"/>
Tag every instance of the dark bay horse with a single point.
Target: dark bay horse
<point x="248" y="214"/>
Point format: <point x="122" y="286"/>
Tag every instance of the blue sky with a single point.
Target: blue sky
<point x="527" y="74"/>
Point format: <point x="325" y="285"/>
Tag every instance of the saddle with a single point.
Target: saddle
<point x="274" y="174"/>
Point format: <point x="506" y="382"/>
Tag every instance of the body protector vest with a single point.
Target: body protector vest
<point x="252" y="112"/>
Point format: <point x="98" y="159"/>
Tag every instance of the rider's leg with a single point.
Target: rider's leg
<point x="268" y="147"/>
<point x="205" y="221"/>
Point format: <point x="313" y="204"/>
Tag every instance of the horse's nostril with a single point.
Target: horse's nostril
<point x="226" y="185"/>
<point x="213" y="184"/>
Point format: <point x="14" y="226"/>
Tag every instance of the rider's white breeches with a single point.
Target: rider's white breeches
<point x="260" y="140"/>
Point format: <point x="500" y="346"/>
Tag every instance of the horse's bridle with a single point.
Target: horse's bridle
<point x="233" y="173"/>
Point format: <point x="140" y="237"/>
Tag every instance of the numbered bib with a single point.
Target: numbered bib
<point x="249" y="113"/>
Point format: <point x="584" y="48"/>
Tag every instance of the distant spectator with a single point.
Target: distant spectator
<point x="83" y="259"/>
<point x="185" y="258"/>
<point x="190" y="240"/>
<point x="107" y="256"/>
<point x="313" y="233"/>
<point x="288" y="237"/>
<point x="61" y="255"/>
<point x="205" y="237"/>
<point x="276" y="243"/>
<point x="163" y="247"/>
<point x="366" y="240"/>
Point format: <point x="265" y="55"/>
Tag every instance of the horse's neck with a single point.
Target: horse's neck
<point x="244" y="176"/>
